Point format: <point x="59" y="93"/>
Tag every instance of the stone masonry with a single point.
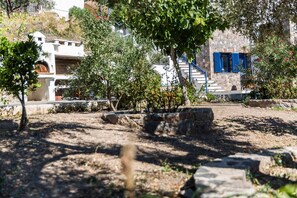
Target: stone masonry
<point x="226" y="42"/>
<point x="270" y="103"/>
<point x="187" y="121"/>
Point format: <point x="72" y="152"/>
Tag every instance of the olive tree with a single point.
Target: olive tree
<point x="116" y="67"/>
<point x="17" y="72"/>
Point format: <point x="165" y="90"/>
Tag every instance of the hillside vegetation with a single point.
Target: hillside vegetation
<point x="19" y="25"/>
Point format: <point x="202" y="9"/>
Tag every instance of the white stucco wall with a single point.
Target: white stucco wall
<point x="167" y="72"/>
<point x="62" y="6"/>
<point x="41" y="93"/>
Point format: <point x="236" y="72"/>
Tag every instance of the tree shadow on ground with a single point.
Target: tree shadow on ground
<point x="24" y="155"/>
<point x="272" y="125"/>
<point x="7" y="125"/>
<point x="32" y="165"/>
<point x="217" y="143"/>
<point x="198" y="149"/>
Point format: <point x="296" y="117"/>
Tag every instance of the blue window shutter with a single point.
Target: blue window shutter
<point x="217" y="62"/>
<point x="235" y="62"/>
<point x="246" y="62"/>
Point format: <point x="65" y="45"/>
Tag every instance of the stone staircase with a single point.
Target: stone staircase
<point x="199" y="78"/>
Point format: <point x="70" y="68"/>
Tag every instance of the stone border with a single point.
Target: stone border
<point x="226" y="177"/>
<point x="187" y="121"/>
<point x="270" y="103"/>
<point x="54" y="107"/>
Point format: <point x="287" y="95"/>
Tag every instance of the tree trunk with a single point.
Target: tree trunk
<point x="24" y="118"/>
<point x="181" y="79"/>
<point x="109" y="97"/>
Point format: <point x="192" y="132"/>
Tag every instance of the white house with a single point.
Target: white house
<point x="62" y="7"/>
<point x="52" y="66"/>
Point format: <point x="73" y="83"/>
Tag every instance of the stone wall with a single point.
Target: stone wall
<point x="188" y="121"/>
<point x="228" y="81"/>
<point x="203" y="58"/>
<point x="270" y="103"/>
<point x="5" y="98"/>
<point x="226" y="42"/>
<point x="57" y="107"/>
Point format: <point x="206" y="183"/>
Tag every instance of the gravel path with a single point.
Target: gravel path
<point x="77" y="155"/>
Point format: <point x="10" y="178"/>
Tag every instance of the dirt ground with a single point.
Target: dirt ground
<point x="77" y="154"/>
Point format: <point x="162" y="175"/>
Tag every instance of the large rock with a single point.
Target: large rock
<point x="226" y="177"/>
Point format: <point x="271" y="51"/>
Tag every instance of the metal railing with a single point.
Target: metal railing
<point x="192" y="64"/>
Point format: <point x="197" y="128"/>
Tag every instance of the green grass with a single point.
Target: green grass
<point x="166" y="166"/>
<point x="278" y="108"/>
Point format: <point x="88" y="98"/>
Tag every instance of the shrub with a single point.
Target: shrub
<point x="210" y="97"/>
<point x="275" y="71"/>
<point x="168" y="99"/>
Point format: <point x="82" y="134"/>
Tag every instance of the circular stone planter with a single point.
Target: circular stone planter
<point x="183" y="122"/>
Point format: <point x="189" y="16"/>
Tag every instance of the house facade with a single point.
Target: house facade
<point x="224" y="58"/>
<point x="53" y="66"/>
<point x="227" y="55"/>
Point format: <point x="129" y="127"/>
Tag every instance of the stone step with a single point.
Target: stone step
<point x="202" y="80"/>
<point x="193" y="72"/>
<point x="197" y="76"/>
<point x="216" y="90"/>
<point x="183" y="65"/>
<point x="211" y="87"/>
<point x="227" y="177"/>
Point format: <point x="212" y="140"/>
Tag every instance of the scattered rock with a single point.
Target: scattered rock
<point x="226" y="177"/>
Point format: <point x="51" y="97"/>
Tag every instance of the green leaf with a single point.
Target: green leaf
<point x="199" y="21"/>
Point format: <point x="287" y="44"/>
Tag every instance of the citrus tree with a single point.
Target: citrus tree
<point x="175" y="26"/>
<point x="17" y="72"/>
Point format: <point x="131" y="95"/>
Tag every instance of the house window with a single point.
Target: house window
<point x="230" y="62"/>
<point x="226" y="62"/>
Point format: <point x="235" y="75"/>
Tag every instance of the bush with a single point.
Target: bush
<point x="168" y="99"/>
<point x="275" y="71"/>
<point x="210" y="97"/>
